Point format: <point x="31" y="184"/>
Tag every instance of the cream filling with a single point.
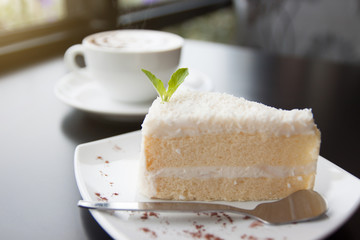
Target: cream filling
<point x="148" y="186"/>
<point x="233" y="172"/>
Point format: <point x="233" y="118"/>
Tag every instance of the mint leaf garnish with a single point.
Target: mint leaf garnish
<point x="158" y="84"/>
<point x="175" y="81"/>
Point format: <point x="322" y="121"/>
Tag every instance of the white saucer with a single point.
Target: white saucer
<point x="85" y="95"/>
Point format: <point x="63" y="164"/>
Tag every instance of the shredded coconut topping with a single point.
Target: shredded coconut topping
<point x="191" y="113"/>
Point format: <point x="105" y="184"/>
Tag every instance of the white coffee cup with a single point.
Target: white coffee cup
<point x="114" y="59"/>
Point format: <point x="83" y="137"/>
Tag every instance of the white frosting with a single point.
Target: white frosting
<point x="190" y="113"/>
<point x="205" y="172"/>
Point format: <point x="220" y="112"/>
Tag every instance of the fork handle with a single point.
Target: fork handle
<point x="163" y="206"/>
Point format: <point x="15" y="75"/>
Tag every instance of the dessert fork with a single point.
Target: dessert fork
<point x="303" y="205"/>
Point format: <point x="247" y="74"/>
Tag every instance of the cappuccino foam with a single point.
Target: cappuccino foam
<point x="136" y="40"/>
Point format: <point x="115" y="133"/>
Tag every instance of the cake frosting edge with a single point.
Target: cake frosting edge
<point x="192" y="113"/>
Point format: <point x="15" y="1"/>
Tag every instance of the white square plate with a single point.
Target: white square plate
<point x="107" y="170"/>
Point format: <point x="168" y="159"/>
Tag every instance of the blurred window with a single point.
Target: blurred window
<point x="31" y="29"/>
<point x="16" y="14"/>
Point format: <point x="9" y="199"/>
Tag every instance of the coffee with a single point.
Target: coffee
<point x="136" y="40"/>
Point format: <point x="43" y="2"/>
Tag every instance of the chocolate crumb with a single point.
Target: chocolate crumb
<point x="200" y="233"/>
<point x="228" y="217"/>
<point x="199" y="226"/>
<point x="194" y="234"/>
<point x="214" y="214"/>
<point x="117" y="148"/>
<point x="153" y="214"/>
<point x="218" y="216"/>
<point x="100" y="198"/>
<point x="146" y="230"/>
<point x="209" y="236"/>
<point x="255" y="224"/>
<point x="144" y="216"/>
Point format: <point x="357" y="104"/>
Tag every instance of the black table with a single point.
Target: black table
<point x="38" y="133"/>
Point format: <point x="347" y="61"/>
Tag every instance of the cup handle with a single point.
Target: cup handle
<point x="70" y="57"/>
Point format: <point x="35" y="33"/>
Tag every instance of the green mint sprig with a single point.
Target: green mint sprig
<point x="175" y="81"/>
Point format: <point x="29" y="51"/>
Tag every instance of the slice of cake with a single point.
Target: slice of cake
<point x="214" y="146"/>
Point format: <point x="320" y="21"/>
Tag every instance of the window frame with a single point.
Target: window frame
<point x="167" y="13"/>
